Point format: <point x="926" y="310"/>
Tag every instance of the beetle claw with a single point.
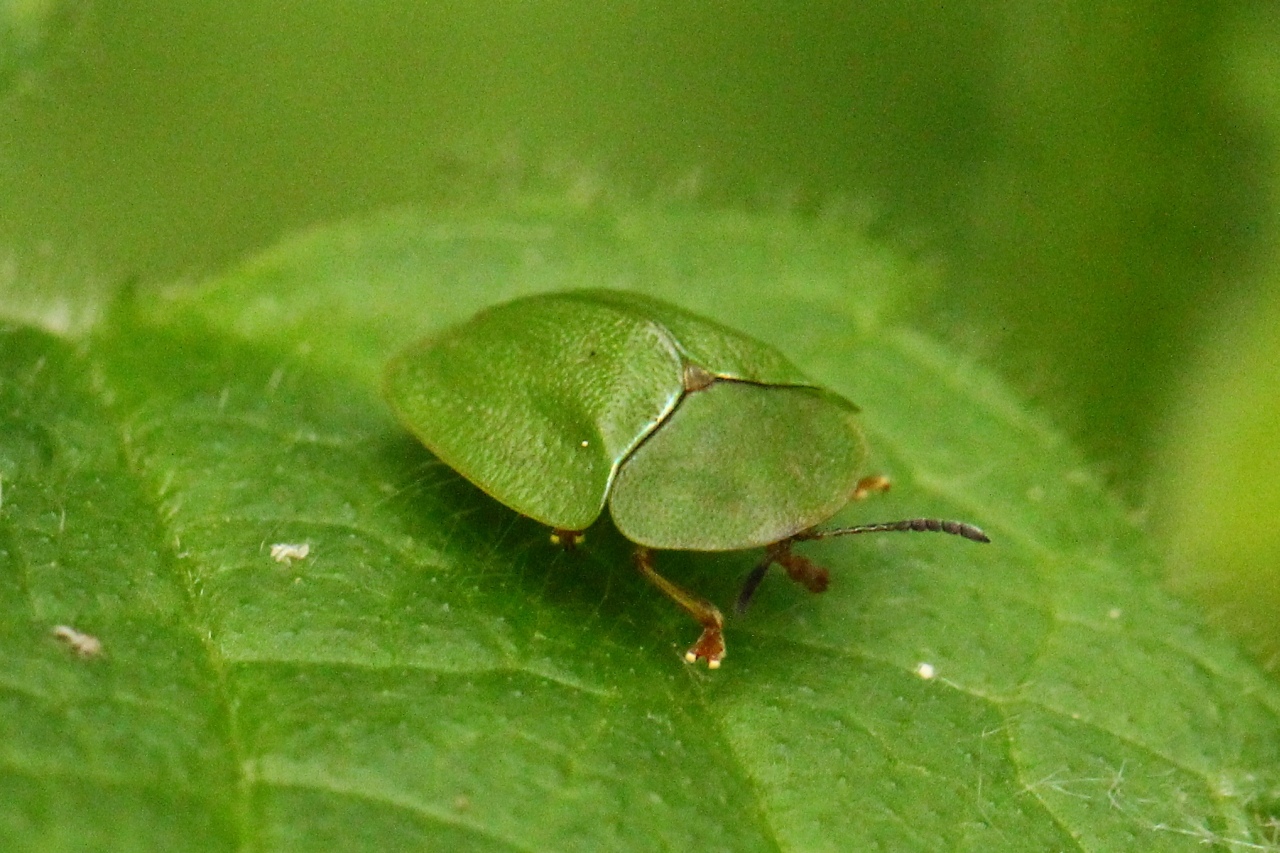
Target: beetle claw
<point x="710" y="647"/>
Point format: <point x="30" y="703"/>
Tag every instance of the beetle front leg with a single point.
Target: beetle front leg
<point x="710" y="646"/>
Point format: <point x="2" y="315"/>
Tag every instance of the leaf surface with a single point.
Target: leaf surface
<point x="434" y="675"/>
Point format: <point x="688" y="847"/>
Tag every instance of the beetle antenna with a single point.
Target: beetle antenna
<point x="803" y="571"/>
<point x="914" y="525"/>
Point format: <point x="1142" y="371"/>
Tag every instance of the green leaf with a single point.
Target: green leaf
<point x="434" y="675"/>
<point x="30" y="32"/>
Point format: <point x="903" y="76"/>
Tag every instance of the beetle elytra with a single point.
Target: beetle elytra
<point x="695" y="436"/>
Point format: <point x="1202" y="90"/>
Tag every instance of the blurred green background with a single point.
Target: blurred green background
<point x="1092" y="187"/>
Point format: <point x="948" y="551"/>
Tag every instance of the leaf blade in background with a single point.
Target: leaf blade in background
<point x="1218" y="489"/>
<point x="1219" y="493"/>
<point x="31" y="32"/>
<point x="433" y="672"/>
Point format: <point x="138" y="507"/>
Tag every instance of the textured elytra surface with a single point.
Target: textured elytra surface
<point x="555" y="403"/>
<point x="434" y="675"/>
<point x="739" y="465"/>
<point x="539" y="401"/>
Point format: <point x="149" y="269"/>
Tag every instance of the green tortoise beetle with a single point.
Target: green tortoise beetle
<point x="698" y="437"/>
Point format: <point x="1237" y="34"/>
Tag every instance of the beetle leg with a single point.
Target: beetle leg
<point x="803" y="570"/>
<point x="752" y="583"/>
<point x="710" y="646"/>
<point x="800" y="569"/>
<point x="868" y="485"/>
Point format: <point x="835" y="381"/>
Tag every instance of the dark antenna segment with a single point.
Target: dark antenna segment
<point x="781" y="552"/>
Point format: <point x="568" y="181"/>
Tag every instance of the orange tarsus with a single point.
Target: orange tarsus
<point x="567" y="539"/>
<point x="872" y="484"/>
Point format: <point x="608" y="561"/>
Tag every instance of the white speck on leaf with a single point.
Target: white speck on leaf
<point x="85" y="645"/>
<point x="283" y="552"/>
<point x="925" y="670"/>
